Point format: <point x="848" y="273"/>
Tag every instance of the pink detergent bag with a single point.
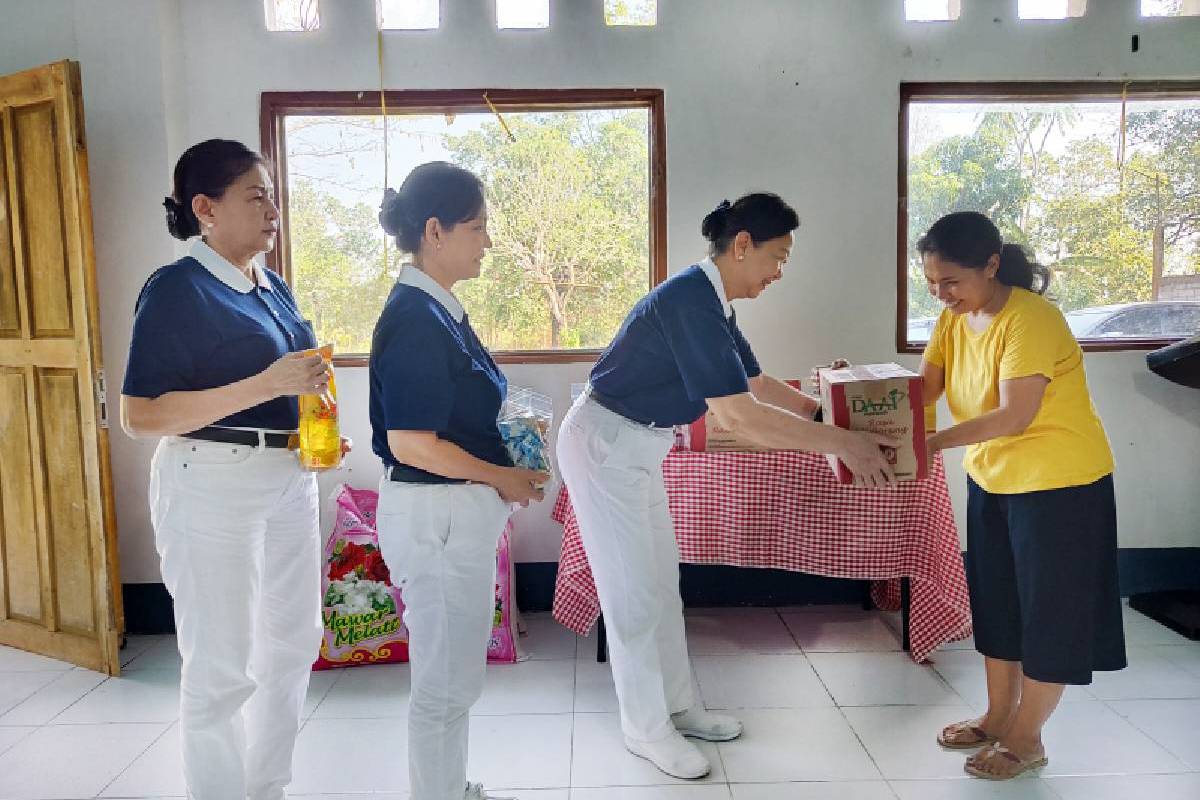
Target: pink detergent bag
<point x="362" y="610"/>
<point x="502" y="646"/>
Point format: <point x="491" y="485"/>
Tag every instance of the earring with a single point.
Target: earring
<point x="742" y="257"/>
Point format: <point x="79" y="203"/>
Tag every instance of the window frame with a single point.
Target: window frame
<point x="275" y="107"/>
<point x="1013" y="92"/>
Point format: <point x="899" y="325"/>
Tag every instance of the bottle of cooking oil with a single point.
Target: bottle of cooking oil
<point x="320" y="435"/>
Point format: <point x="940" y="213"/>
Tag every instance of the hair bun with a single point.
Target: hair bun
<point x="390" y="212"/>
<point x="714" y="223"/>
<point x="178" y="224"/>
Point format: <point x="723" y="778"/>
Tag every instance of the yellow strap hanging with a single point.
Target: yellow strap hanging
<point x="1121" y="144"/>
<point x="496" y="111"/>
<point x="383" y="111"/>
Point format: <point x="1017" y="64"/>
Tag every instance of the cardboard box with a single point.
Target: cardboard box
<point x="884" y="398"/>
<point x="706" y="435"/>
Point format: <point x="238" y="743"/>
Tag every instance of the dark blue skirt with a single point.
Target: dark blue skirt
<point x="1042" y="571"/>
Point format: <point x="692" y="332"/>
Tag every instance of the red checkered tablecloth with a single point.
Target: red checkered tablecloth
<point x="784" y="510"/>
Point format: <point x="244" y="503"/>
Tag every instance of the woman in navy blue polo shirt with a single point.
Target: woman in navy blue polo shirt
<point x="678" y="354"/>
<point x="213" y="369"/>
<point x="448" y="481"/>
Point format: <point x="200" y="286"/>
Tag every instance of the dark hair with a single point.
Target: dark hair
<point x="437" y="190"/>
<point x="970" y="239"/>
<point x="763" y="215"/>
<point x="207" y="168"/>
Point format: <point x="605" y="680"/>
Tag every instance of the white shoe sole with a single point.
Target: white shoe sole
<point x="682" y="776"/>
<point x="709" y="736"/>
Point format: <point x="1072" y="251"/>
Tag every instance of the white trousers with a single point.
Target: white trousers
<point x="236" y="528"/>
<point x="613" y="471"/>
<point x="439" y="542"/>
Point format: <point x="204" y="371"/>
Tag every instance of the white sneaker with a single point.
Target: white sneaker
<point x="701" y="724"/>
<point x="674" y="755"/>
<point x="475" y="791"/>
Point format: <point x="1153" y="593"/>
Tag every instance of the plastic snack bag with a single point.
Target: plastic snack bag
<point x="524" y="424"/>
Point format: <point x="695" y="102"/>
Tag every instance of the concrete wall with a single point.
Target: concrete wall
<point x="796" y="97"/>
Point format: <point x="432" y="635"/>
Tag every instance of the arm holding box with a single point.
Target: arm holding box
<point x="777" y="429"/>
<point x="1020" y="400"/>
<point x="780" y="394"/>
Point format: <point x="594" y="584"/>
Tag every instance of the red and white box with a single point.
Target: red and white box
<point x="706" y="435"/>
<point x="882" y="398"/>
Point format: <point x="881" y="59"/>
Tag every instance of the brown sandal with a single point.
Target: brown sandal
<point x="965" y="735"/>
<point x="1012" y="765"/>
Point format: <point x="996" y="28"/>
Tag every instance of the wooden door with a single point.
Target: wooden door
<point x="59" y="586"/>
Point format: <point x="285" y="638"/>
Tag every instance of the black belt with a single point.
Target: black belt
<point x="250" y="438"/>
<point x="610" y="405"/>
<point x="407" y="474"/>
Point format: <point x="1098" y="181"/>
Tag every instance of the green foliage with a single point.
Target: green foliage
<point x="568" y="214"/>
<point x="1088" y="217"/>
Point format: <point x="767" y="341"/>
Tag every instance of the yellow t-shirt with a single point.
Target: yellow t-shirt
<point x="1065" y="445"/>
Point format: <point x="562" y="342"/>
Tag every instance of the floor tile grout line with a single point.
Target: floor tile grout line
<point x="888" y="782"/>
<point x="574" y="702"/>
<point x="31" y="695"/>
<point x="861" y="743"/>
<point x="134" y="760"/>
<point x="77" y="700"/>
<point x="1139" y="729"/>
<point x="329" y="690"/>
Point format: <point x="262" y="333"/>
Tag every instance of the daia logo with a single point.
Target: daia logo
<point x="871" y="408"/>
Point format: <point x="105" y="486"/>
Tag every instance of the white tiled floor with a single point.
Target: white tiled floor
<point x="833" y="711"/>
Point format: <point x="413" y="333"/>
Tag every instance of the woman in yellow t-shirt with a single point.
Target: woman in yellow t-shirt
<point x="1041" y="516"/>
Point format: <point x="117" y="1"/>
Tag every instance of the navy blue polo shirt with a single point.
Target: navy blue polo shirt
<point x="430" y="372"/>
<point x="679" y="345"/>
<point x="200" y="323"/>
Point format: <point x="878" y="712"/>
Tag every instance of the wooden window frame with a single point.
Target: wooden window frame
<point x="276" y="106"/>
<point x="1012" y="91"/>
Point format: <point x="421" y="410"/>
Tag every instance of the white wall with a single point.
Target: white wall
<point x="797" y="97"/>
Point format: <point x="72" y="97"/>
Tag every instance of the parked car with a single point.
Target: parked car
<point x="1164" y="319"/>
<point x="920" y="328"/>
<point x="1168" y="319"/>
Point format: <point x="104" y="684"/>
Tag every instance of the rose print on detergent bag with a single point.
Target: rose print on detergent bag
<point x="361" y="609"/>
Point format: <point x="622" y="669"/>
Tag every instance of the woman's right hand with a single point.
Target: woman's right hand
<point x="520" y="485"/>
<point x="863" y="454"/>
<point x="296" y="373"/>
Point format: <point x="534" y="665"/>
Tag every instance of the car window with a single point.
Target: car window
<point x="1141" y="321"/>
<point x="1182" y="320"/>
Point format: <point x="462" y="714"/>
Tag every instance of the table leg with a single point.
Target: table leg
<point x="867" y="603"/>
<point x="601" y="641"/>
<point x="905" y="620"/>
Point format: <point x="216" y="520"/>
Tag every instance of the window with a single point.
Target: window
<point x="630" y="12"/>
<point x="1170" y="8"/>
<point x="576" y="208"/>
<point x="408" y="15"/>
<point x="292" y="15"/>
<point x="523" y="13"/>
<point x="1050" y="9"/>
<point x="1113" y="211"/>
<point x="1183" y="319"/>
<point x="932" y="10"/>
